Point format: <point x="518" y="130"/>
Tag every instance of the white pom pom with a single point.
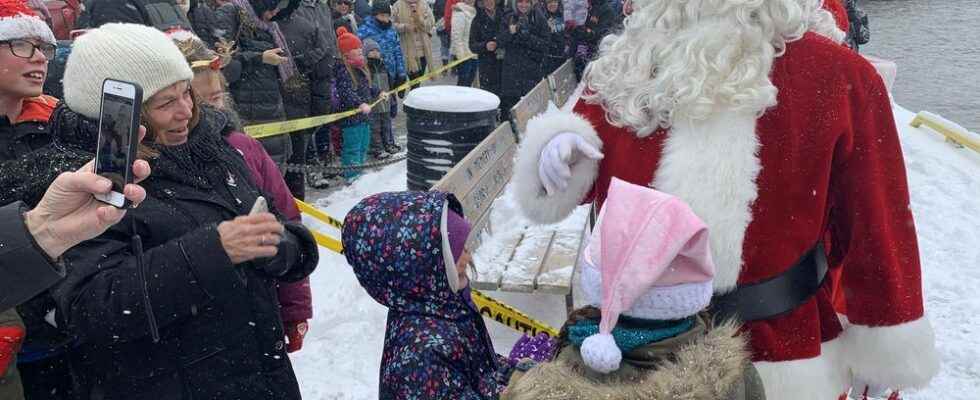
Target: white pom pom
<point x="601" y="353"/>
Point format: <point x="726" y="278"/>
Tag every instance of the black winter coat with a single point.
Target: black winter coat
<point x="25" y="271"/>
<point x="27" y="168"/>
<point x="556" y="52"/>
<point x="161" y="14"/>
<point x="203" y="15"/>
<point x="257" y="89"/>
<point x="307" y="48"/>
<point x="218" y="325"/>
<point x="483" y="30"/>
<point x="321" y="79"/>
<point x="524" y="52"/>
<point x="601" y="21"/>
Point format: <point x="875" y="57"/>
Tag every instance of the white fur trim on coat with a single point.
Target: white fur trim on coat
<point x="820" y="378"/>
<point x="712" y="165"/>
<point x="899" y="356"/>
<point x="536" y="205"/>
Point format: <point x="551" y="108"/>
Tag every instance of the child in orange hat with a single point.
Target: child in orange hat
<point x="354" y="90"/>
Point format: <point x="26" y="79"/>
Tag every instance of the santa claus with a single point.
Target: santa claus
<point x="783" y="142"/>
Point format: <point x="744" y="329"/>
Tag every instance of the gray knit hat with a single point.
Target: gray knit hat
<point x="370" y="44"/>
<point x="125" y="52"/>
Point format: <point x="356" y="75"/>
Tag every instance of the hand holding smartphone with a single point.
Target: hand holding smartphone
<point x="118" y="137"/>
<point x="260" y="206"/>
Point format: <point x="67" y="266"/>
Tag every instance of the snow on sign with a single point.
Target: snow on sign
<point x="480" y="177"/>
<point x="563" y="82"/>
<point x="533" y="103"/>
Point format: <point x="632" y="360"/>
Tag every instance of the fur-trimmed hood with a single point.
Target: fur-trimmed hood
<point x="712" y="367"/>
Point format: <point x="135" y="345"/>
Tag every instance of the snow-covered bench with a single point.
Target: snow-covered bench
<point x="532" y="259"/>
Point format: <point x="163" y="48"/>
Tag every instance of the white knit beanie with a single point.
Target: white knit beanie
<point x="126" y="52"/>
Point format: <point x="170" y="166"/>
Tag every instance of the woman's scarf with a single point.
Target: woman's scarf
<point x="287" y="69"/>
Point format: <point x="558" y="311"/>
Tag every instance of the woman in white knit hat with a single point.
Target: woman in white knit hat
<point x="178" y="300"/>
<point x="648" y="268"/>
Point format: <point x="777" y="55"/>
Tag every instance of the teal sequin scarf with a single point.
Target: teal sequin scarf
<point x="631" y="333"/>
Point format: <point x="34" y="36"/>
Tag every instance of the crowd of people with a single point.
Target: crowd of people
<point x="197" y="293"/>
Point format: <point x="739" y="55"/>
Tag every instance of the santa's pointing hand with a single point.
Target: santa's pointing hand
<point x="557" y="158"/>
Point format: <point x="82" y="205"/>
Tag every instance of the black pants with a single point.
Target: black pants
<point x="296" y="181"/>
<point x="490" y="74"/>
<point x="47" y="379"/>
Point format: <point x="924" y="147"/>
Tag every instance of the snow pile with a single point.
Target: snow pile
<point x="342" y="353"/>
<point x="447" y="98"/>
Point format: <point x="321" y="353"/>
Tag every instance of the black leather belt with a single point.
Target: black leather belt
<point x="775" y="296"/>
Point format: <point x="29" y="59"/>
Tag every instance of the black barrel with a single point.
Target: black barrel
<point x="445" y="123"/>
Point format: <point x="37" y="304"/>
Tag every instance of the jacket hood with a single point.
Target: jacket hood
<point x="394" y="242"/>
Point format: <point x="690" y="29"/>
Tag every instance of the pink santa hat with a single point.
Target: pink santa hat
<point x="18" y="21"/>
<point x="648" y="258"/>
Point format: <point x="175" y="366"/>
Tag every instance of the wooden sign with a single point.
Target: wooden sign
<point x="462" y="177"/>
<point x="533" y="103"/>
<point x="563" y="83"/>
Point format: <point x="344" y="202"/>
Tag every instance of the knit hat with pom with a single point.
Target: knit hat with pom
<point x="125" y="52"/>
<point x="18" y="21"/>
<point x="347" y="41"/>
<point x="648" y="258"/>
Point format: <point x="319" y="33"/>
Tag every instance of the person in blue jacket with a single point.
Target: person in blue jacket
<point x="378" y="27"/>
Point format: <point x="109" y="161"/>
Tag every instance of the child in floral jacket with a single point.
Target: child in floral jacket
<point x="406" y="249"/>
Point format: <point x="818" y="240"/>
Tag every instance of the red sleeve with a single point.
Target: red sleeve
<point x="836" y="7"/>
<point x="447" y="15"/>
<point x="10" y="340"/>
<point x="296" y="299"/>
<point x="275" y="185"/>
<point x="871" y="223"/>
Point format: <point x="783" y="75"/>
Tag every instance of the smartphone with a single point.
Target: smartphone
<point x="119" y="120"/>
<point x="260" y="206"/>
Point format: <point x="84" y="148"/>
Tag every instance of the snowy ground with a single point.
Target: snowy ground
<point x="341" y="356"/>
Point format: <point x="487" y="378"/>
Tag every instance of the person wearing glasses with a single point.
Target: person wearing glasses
<point x="26" y="44"/>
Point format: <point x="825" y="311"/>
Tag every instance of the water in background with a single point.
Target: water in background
<point x="936" y="44"/>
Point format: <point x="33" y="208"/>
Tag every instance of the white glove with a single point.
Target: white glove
<point x="557" y="158"/>
<point x="858" y="385"/>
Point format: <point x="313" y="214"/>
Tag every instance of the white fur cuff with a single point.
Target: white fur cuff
<point x="529" y="192"/>
<point x="899" y="356"/>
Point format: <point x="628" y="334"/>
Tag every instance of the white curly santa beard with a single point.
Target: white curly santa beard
<point x="668" y="64"/>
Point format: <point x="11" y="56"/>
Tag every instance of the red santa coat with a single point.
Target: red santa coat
<point x="825" y="164"/>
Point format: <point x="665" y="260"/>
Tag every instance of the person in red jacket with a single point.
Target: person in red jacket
<point x="783" y="141"/>
<point x="295" y="298"/>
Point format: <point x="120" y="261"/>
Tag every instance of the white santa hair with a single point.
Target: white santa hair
<point x="18" y="21"/>
<point x="692" y="58"/>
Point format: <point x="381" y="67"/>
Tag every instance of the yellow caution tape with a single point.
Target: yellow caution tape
<point x="328" y="242"/>
<point x="493" y="309"/>
<point x="270" y="129"/>
<point x="510" y="316"/>
<point x="314" y="212"/>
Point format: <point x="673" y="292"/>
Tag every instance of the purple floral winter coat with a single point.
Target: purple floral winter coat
<point x="436" y="344"/>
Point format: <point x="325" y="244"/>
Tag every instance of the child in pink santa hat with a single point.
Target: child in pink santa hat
<point x="647" y="273"/>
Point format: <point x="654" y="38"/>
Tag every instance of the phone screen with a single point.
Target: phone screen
<point x="114" y="128"/>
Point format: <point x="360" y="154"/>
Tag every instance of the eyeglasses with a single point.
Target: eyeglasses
<point x="26" y="49"/>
